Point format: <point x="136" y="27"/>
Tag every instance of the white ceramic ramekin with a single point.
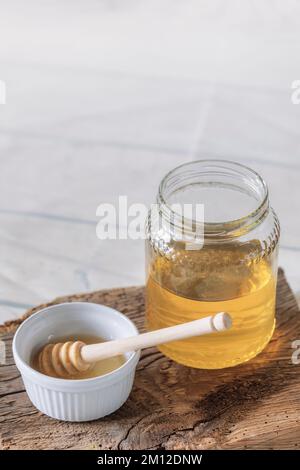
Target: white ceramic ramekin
<point x="75" y="400"/>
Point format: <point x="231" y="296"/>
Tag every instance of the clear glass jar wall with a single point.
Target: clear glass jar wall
<point x="234" y="271"/>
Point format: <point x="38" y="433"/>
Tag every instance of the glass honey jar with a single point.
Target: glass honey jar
<point x="220" y="258"/>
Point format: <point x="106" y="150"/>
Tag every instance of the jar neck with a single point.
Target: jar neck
<point x="225" y="188"/>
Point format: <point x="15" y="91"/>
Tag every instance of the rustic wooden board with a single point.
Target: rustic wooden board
<point x="253" y="406"/>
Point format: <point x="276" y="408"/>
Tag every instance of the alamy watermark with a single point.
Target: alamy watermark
<point x="295" y="96"/>
<point x="2" y="92"/>
<point x="2" y="353"/>
<point x="296" y="353"/>
<point x="127" y="221"/>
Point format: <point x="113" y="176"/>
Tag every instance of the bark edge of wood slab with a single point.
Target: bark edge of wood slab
<point x="252" y="406"/>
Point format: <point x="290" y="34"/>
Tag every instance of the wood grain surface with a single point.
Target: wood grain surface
<point x="252" y="406"/>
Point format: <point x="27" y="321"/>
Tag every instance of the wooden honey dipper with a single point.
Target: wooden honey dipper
<point x="70" y="358"/>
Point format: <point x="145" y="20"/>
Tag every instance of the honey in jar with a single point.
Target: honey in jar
<point x="233" y="270"/>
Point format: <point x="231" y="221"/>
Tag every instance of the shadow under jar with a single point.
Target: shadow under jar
<point x="226" y="262"/>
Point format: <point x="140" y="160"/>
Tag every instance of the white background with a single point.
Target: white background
<point x="104" y="97"/>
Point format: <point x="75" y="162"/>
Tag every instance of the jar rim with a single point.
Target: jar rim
<point x="230" y="227"/>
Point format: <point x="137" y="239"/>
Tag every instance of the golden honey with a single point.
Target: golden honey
<point x="99" y="368"/>
<point x="194" y="284"/>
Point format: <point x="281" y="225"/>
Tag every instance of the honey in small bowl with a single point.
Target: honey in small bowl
<point x="99" y="368"/>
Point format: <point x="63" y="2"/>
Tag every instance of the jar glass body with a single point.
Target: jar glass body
<point x="229" y="264"/>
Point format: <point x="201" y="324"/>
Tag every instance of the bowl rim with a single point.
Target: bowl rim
<point x="58" y="383"/>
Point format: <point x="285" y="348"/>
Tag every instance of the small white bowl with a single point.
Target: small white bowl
<point x="75" y="400"/>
